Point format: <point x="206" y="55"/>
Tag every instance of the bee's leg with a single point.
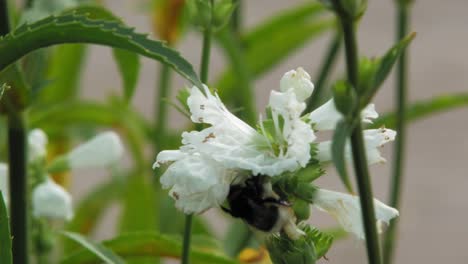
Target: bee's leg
<point x="276" y="201"/>
<point x="226" y="210"/>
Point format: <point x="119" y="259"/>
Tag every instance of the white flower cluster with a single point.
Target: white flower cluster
<point x="201" y="171"/>
<point x="50" y="200"/>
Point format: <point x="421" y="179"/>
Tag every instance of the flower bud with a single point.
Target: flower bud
<point x="344" y="97"/>
<point x="301" y="210"/>
<point x="103" y="150"/>
<point x="37" y="144"/>
<point x="205" y="15"/>
<point x="351" y="8"/>
<point x="51" y="201"/>
<point x="299" y="81"/>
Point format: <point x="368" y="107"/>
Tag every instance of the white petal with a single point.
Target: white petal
<point x="50" y="200"/>
<point x="197" y="183"/>
<point x="347" y="210"/>
<point x="374" y="139"/>
<point x="37" y="144"/>
<point x="298" y="81"/>
<point x="326" y="116"/>
<point x="168" y="156"/>
<point x="4" y="187"/>
<point x="103" y="150"/>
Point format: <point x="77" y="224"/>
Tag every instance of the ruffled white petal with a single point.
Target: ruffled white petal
<point x="37" y="144"/>
<point x="299" y="82"/>
<point x="103" y="150"/>
<point x="4" y="182"/>
<point x="346" y="209"/>
<point x="374" y="139"/>
<point x="197" y="183"/>
<point x="50" y="200"/>
<point x="326" y="116"/>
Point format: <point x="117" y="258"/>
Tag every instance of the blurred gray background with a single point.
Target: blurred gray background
<point x="434" y="216"/>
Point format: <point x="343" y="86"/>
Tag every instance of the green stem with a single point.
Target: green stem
<point x="161" y="110"/>
<point x="204" y="68"/>
<point x="236" y="20"/>
<point x="358" y="148"/>
<point x="398" y="164"/>
<point x="18" y="187"/>
<point x="324" y="72"/>
<point x="4" y="18"/>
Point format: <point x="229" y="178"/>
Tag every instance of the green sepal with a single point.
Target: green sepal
<point x="284" y="250"/>
<point x="344" y="97"/>
<point x="301" y="209"/>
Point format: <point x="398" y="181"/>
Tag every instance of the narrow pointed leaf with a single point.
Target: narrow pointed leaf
<point x="424" y="109"/>
<point x="149" y="244"/>
<point x="340" y="137"/>
<point x="72" y="27"/>
<point x="385" y="66"/>
<point x="98" y="250"/>
<point x="5" y="237"/>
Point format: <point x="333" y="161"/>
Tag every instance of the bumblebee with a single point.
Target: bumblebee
<point x="255" y="202"/>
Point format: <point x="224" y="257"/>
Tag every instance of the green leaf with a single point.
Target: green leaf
<point x="384" y="67"/>
<point x="129" y="66"/>
<point x="340" y="137"/>
<point x="5" y="237"/>
<point x="91" y="208"/>
<point x="139" y="205"/>
<point x="424" y="109"/>
<point x="79" y="28"/>
<point x="98" y="250"/>
<point x="273" y="40"/>
<point x="149" y="244"/>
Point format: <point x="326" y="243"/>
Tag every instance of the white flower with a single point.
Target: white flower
<point x="196" y="182"/>
<point x="37" y="144"/>
<point x="236" y="145"/>
<point x="103" y="150"/>
<point x="299" y="81"/>
<point x="4" y="182"/>
<point x="51" y="201"/>
<point x="374" y="139"/>
<point x="326" y="116"/>
<point x="347" y="210"/>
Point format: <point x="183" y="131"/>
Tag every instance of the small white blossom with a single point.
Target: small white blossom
<point x="37" y="144"/>
<point x="196" y="182"/>
<point x="299" y="81"/>
<point x="326" y="116"/>
<point x="346" y="209"/>
<point x="104" y="149"/>
<point x="374" y="139"/>
<point x="4" y="182"/>
<point x="50" y="200"/>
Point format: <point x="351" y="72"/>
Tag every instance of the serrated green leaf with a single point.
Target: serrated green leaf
<point x="90" y="209"/>
<point x="340" y="137"/>
<point x="98" y="250"/>
<point x="149" y="244"/>
<point x="79" y="28"/>
<point x="384" y="67"/>
<point x="424" y="109"/>
<point x="273" y="40"/>
<point x="129" y="67"/>
<point x="5" y="237"/>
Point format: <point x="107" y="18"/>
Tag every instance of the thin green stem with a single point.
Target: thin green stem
<point x="204" y="68"/>
<point x="399" y="157"/>
<point x="18" y="187"/>
<point x="4" y="18"/>
<point x="236" y="20"/>
<point x="161" y="109"/>
<point x="324" y="72"/>
<point x="358" y="148"/>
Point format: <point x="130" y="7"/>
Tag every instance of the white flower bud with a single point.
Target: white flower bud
<point x="299" y="81"/>
<point x="37" y="144"/>
<point x="347" y="210"/>
<point x="103" y="150"/>
<point x="326" y="116"/>
<point x="51" y="201"/>
<point x="4" y="182"/>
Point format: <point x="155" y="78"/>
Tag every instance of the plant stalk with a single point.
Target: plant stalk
<point x="161" y="110"/>
<point x="204" y="68"/>
<point x="18" y="187"/>
<point x="358" y="148"/>
<point x="399" y="149"/>
<point x="324" y="72"/>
